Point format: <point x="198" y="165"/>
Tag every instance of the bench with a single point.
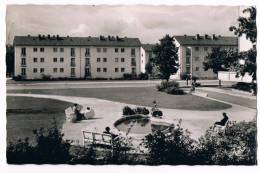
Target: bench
<point x="96" y="138"/>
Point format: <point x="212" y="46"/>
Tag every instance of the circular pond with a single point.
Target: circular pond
<point x="139" y="124"/>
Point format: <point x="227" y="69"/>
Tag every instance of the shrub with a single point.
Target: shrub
<point x="197" y="84"/>
<point x="170" y="87"/>
<point x="46" y="77"/>
<point x="128" y="111"/>
<point x="157" y="113"/>
<point x="245" y="87"/>
<point x="237" y="145"/>
<point x="128" y="76"/>
<point x="49" y="148"/>
<point x="174" y="148"/>
<point x="143" y="76"/>
<point x="185" y="76"/>
<point x="139" y="110"/>
<point x="175" y="91"/>
<point x="18" y="78"/>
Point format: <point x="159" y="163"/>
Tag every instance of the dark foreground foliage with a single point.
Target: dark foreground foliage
<point x="235" y="145"/>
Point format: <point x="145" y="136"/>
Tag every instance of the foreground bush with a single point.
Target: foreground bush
<point x="237" y="145"/>
<point x="249" y="87"/>
<point x="49" y="148"/>
<point x="174" y="148"/>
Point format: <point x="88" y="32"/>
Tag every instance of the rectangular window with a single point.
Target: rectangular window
<point x="122" y="69"/>
<point x="132" y="52"/>
<point x="87" y="62"/>
<point x="133" y="62"/>
<point x="133" y="70"/>
<point x="205" y="48"/>
<point x="116" y="50"/>
<point x="35" y="49"/>
<point x="122" y="50"/>
<point x="42" y="49"/>
<point x="42" y="59"/>
<point x="61" y="70"/>
<point x="55" y="49"/>
<point x="98" y="49"/>
<point x="188" y="55"/>
<point x="61" y="49"/>
<point x="61" y="59"/>
<point x="197" y="58"/>
<point x="41" y="70"/>
<point x="187" y="69"/>
<point x="23" y="71"/>
<point x="116" y="69"/>
<point x="105" y="70"/>
<point x="72" y="72"/>
<point x="197" y="48"/>
<point x="55" y="59"/>
<point x="35" y="59"/>
<point x="87" y="72"/>
<point x="116" y="59"/>
<point x="87" y="52"/>
<point x="98" y="59"/>
<point x="98" y="69"/>
<point x="35" y="70"/>
<point x="104" y="59"/>
<point x="122" y="59"/>
<point x="23" y="52"/>
<point x="23" y="61"/>
<point x="55" y="70"/>
<point x="72" y="51"/>
<point x="72" y="62"/>
<point x="197" y="68"/>
<point x="104" y="49"/>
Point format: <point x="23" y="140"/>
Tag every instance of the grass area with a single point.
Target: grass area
<point x="137" y="95"/>
<point x="24" y="114"/>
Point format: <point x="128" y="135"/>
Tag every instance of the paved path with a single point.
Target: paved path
<point x="107" y="112"/>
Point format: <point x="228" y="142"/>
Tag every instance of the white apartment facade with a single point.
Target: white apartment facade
<point x="192" y="51"/>
<point x="76" y="57"/>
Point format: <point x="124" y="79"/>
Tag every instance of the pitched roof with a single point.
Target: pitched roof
<point x="207" y="40"/>
<point x="148" y="47"/>
<point x="75" y="41"/>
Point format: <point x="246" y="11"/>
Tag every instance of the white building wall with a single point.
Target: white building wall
<point x="80" y="60"/>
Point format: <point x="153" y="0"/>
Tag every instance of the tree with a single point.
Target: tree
<point x="228" y="60"/>
<point x="149" y="68"/>
<point x="166" y="57"/>
<point x="9" y="59"/>
<point x="247" y="27"/>
<point x="221" y="60"/>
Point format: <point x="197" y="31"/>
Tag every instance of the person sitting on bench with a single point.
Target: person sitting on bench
<point x="76" y="109"/>
<point x="223" y="121"/>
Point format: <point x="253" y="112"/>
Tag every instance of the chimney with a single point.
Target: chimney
<point x="29" y="35"/>
<point x="197" y="36"/>
<point x="206" y="36"/>
<point x="185" y="35"/>
<point x="58" y="36"/>
<point x="214" y="37"/>
<point x="49" y="36"/>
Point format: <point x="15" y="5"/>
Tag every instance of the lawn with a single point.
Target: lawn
<point x="137" y="95"/>
<point x="24" y="114"/>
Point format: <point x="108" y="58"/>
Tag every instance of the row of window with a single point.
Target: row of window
<point x="72" y="50"/>
<point x="188" y="69"/>
<point x="55" y="70"/>
<point x="198" y="48"/>
<point x="116" y="70"/>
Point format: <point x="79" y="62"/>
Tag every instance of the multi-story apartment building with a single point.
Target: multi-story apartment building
<point x="193" y="49"/>
<point x="76" y="57"/>
<point x="146" y="55"/>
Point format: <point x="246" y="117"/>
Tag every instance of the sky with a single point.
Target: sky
<point x="147" y="22"/>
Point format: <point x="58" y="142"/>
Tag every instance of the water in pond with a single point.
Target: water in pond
<point x="139" y="126"/>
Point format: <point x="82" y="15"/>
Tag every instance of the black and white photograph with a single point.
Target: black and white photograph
<point x="138" y="84"/>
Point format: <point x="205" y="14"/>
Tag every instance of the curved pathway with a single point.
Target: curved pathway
<point x="197" y="122"/>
